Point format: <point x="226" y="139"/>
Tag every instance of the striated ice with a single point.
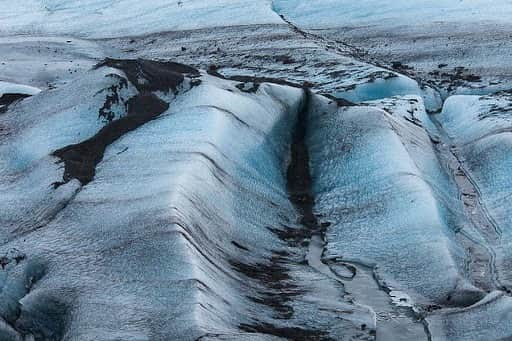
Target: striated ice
<point x="378" y="193"/>
<point x="480" y="129"/>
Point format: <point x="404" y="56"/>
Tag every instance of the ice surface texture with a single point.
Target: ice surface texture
<point x="375" y="181"/>
<point x="175" y="232"/>
<point x="255" y="170"/>
<point x="105" y="19"/>
<point x="458" y="46"/>
<point x="480" y="127"/>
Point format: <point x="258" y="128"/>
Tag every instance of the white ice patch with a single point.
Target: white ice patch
<point x="13" y="88"/>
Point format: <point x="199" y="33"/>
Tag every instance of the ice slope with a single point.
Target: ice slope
<point x="186" y="228"/>
<point x="380" y="185"/>
<point x="103" y="19"/>
<point x="46" y="62"/>
<point x="37" y="126"/>
<point x="395" y="210"/>
<point x="480" y="130"/>
<point x="181" y="232"/>
<point x="473" y="323"/>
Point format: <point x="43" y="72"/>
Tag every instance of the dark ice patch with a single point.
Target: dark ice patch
<point x="213" y="70"/>
<point x="298" y="175"/>
<point x="8" y="99"/>
<point x="45" y="316"/>
<point x="112" y="98"/>
<point x="151" y="75"/>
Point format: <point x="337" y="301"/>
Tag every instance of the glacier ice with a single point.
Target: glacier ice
<point x="177" y="224"/>
<point x="381" y="203"/>
<point x="106" y="19"/>
<point x="479" y="128"/>
<point x="460" y="47"/>
<point x="254" y="170"/>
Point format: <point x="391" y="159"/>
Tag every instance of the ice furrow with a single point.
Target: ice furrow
<point x="346" y="49"/>
<point x="299" y="186"/>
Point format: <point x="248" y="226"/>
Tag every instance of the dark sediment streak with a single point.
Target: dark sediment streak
<point x="341" y="102"/>
<point x="147" y="76"/>
<point x="80" y="159"/>
<point x="291" y="333"/>
<point x="151" y="75"/>
<point x="213" y="71"/>
<point x="275" y="276"/>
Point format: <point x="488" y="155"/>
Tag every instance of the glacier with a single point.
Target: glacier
<point x="255" y="170"/>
